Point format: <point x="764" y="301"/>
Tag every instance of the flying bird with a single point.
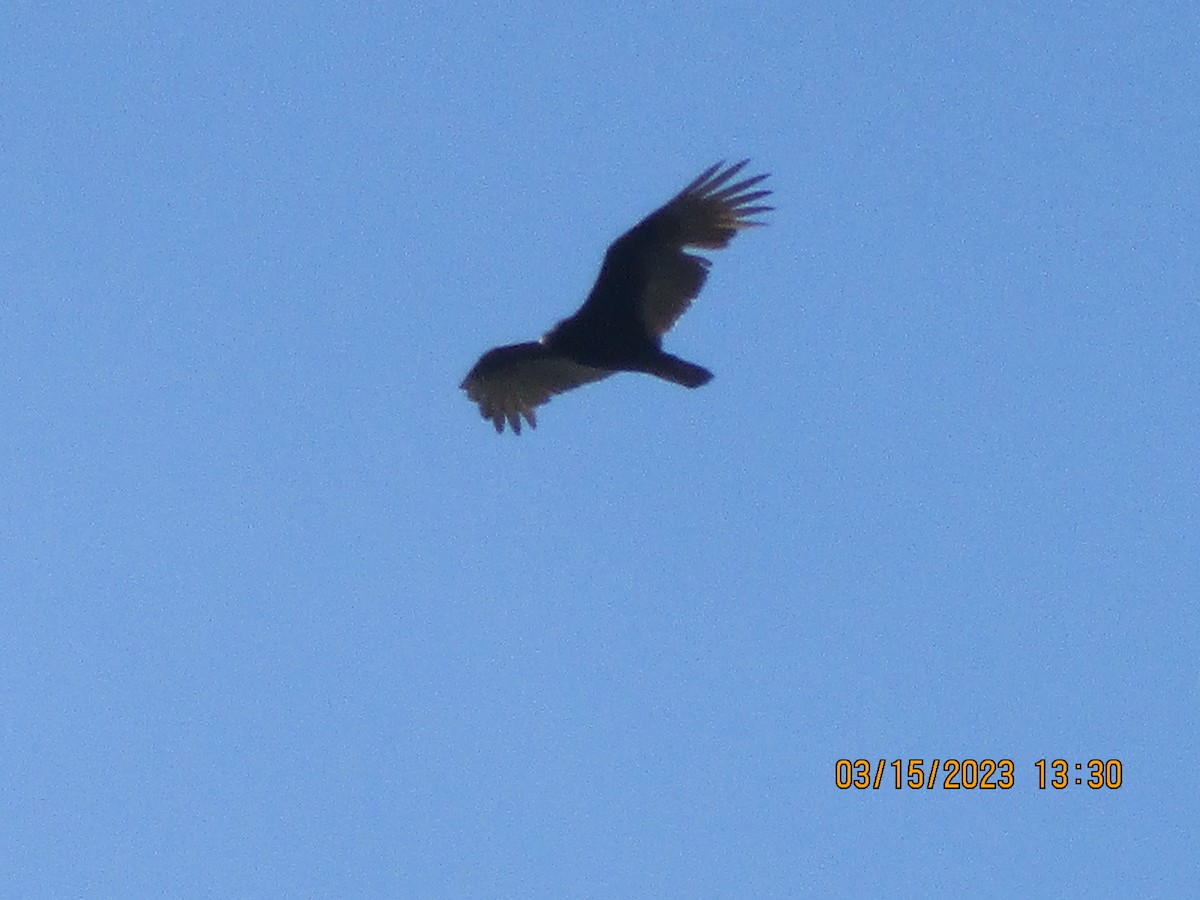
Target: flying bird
<point x="646" y="283"/>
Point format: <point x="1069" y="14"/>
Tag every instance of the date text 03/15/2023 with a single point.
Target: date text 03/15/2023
<point x="974" y="774"/>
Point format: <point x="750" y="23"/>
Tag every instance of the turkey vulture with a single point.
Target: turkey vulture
<point x="646" y="283"/>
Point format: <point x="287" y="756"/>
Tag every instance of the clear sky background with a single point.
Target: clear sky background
<point x="280" y="615"/>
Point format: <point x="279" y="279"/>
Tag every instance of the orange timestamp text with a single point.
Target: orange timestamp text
<point x="972" y="774"/>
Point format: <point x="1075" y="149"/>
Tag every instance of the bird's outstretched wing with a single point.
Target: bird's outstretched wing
<point x="647" y="266"/>
<point x="509" y="382"/>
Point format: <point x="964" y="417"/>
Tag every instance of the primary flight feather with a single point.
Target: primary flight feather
<point x="646" y="283"/>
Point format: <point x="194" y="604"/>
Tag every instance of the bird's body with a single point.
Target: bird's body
<point x="646" y="283"/>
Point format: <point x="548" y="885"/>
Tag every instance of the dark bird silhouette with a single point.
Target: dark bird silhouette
<point x="646" y="283"/>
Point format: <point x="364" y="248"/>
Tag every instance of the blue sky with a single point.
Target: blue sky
<point x="281" y="616"/>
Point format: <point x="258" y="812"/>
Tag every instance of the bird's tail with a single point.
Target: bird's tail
<point x="680" y="371"/>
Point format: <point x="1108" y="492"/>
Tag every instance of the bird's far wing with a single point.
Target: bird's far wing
<point x="647" y="266"/>
<point x="508" y="382"/>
